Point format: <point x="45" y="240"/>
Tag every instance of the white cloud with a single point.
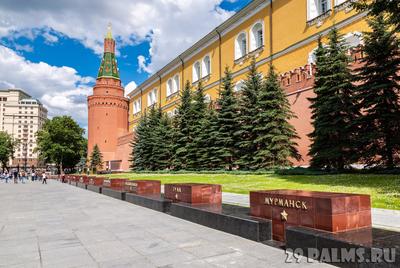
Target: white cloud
<point x="142" y="65"/>
<point x="170" y="25"/>
<point x="130" y="87"/>
<point x="60" y="89"/>
<point x="27" y="48"/>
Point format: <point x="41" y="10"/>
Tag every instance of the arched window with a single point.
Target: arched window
<point x="207" y="98"/>
<point x="152" y="97"/>
<point x="240" y="46"/>
<point x="196" y="71"/>
<point x="353" y="39"/>
<point x="256" y="36"/>
<point x="238" y="86"/>
<point x="206" y="66"/>
<point x="137" y="106"/>
<point x="176" y="87"/>
<point x="316" y="8"/>
<point x="169" y="87"/>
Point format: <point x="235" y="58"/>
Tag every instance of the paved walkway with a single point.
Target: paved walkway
<point x="382" y="218"/>
<point x="58" y="225"/>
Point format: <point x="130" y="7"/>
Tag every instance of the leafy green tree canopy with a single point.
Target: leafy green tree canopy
<point x="7" y="148"/>
<point x="61" y="141"/>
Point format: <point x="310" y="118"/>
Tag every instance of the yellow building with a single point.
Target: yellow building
<point x="282" y="31"/>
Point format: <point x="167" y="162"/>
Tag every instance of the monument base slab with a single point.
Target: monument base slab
<point x="227" y="218"/>
<point x="113" y="193"/>
<point x="155" y="202"/>
<point x="82" y="185"/>
<point x="94" y="188"/>
<point x="367" y="247"/>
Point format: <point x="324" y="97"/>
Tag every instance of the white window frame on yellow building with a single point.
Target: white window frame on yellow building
<point x="204" y="70"/>
<point x="152" y="97"/>
<point x="137" y="106"/>
<point x="196" y="76"/>
<point x="239" y="54"/>
<point x="253" y="38"/>
<point x="238" y="86"/>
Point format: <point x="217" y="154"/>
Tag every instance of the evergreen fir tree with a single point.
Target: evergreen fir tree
<point x="388" y="8"/>
<point x="165" y="136"/>
<point x="155" y="141"/>
<point x="96" y="159"/>
<point x="182" y="125"/>
<point x="247" y="116"/>
<point x="227" y="123"/>
<point x="207" y="153"/>
<point x="333" y="107"/>
<point x="197" y="114"/>
<point x="140" y="150"/>
<point x="275" y="140"/>
<point x="378" y="95"/>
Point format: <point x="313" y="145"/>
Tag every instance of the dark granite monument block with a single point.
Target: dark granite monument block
<point x="333" y="212"/>
<point x="194" y="193"/>
<point x="94" y="188"/>
<point x="82" y="185"/>
<point x="227" y="218"/>
<point x="367" y="247"/>
<point x="143" y="187"/>
<point x="113" y="193"/>
<point x="155" y="202"/>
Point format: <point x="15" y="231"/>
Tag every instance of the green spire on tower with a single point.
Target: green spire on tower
<point x="108" y="66"/>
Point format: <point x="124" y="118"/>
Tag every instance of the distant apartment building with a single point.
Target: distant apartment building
<point x="22" y="116"/>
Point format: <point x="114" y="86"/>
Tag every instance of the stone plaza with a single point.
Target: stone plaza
<point x="57" y="225"/>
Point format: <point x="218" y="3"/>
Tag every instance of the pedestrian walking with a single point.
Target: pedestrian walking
<point x="44" y="178"/>
<point x="33" y="176"/>
<point x="15" y="174"/>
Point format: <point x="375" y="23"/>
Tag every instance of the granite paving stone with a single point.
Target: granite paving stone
<point x="59" y="225"/>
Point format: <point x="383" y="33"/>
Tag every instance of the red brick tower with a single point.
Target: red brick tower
<point x="107" y="107"/>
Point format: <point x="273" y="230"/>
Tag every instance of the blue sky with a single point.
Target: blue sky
<point x="52" y="49"/>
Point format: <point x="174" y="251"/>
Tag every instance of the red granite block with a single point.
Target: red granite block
<point x="307" y="219"/>
<point x="278" y="231"/>
<point x="364" y="218"/>
<point x="352" y="203"/>
<point x="143" y="187"/>
<point x="116" y="184"/>
<point x="365" y="202"/>
<point x="352" y="220"/>
<point x="333" y="212"/>
<point x="195" y="193"/>
<point x="256" y="211"/>
<point x="338" y="205"/>
<point x="98" y="181"/>
<point x="323" y="222"/>
<point x="85" y="179"/>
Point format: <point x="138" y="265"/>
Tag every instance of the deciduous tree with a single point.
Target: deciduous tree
<point x="61" y="141"/>
<point x="7" y="147"/>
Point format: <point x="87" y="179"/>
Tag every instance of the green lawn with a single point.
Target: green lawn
<point x="384" y="189"/>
